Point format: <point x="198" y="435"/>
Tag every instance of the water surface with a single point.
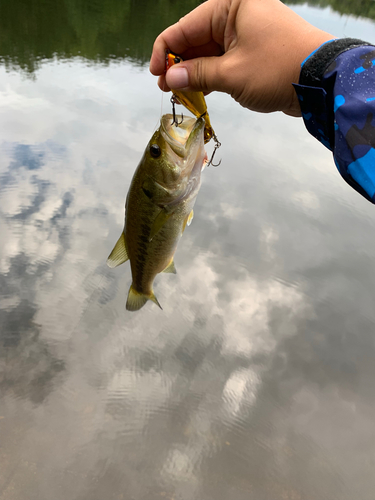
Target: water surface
<point x="256" y="381"/>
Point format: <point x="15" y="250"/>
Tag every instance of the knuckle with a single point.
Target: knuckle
<point x="201" y="75"/>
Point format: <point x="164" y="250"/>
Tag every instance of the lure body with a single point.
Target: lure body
<point x="193" y="101"/>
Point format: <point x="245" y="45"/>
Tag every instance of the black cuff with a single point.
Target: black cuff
<point x="315" y="90"/>
<point x="314" y="68"/>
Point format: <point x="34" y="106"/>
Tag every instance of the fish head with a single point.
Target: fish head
<point x="184" y="142"/>
<point x="174" y="155"/>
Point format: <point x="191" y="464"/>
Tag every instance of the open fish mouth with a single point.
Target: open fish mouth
<point x="184" y="136"/>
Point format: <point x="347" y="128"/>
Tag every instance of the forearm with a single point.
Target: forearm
<point x="336" y="93"/>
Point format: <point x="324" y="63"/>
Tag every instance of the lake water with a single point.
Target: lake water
<point x="256" y="381"/>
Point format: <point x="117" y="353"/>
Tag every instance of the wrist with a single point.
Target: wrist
<point x="307" y="44"/>
<point x="318" y="81"/>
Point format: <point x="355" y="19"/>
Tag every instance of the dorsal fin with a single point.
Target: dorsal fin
<point x="119" y="255"/>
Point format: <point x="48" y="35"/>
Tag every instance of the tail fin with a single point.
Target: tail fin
<point x="137" y="300"/>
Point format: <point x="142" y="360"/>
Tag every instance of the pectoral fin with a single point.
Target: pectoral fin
<point x="137" y="300"/>
<point x="188" y="220"/>
<point x="159" y="222"/>
<point x="119" y="255"/>
<point x="170" y="268"/>
<point x="155" y="191"/>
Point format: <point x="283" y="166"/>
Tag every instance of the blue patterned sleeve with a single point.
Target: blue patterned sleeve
<point x="336" y="92"/>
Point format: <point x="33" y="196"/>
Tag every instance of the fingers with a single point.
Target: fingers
<point x="207" y="50"/>
<point x="203" y="74"/>
<point x="163" y="84"/>
<point x="198" y="33"/>
<point x="211" y="49"/>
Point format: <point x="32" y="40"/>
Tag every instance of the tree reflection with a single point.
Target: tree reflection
<point x="103" y="31"/>
<point x="99" y="31"/>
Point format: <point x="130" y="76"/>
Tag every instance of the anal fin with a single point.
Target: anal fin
<point x="171" y="268"/>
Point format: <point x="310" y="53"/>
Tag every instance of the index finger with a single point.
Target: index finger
<point x="198" y="28"/>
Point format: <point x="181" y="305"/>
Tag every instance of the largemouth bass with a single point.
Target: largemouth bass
<point x="159" y="205"/>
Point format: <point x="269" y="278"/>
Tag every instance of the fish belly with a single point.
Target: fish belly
<point x="149" y="258"/>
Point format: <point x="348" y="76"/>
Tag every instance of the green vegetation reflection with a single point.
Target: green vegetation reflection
<point x="97" y="30"/>
<point x="103" y="30"/>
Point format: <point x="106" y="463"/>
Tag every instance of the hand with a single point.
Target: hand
<point x="250" y="49"/>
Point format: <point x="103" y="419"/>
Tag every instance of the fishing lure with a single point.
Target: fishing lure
<point x="194" y="102"/>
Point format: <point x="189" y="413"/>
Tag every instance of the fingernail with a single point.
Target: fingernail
<point x="177" y="77"/>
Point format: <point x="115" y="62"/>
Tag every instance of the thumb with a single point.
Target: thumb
<point x="200" y="74"/>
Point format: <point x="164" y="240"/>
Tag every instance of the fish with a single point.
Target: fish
<point x="159" y="205"/>
<point x="193" y="101"/>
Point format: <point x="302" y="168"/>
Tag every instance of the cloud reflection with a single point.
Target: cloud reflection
<point x="265" y="340"/>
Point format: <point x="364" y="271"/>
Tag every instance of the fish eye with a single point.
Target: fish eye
<point x="177" y="60"/>
<point x="155" y="150"/>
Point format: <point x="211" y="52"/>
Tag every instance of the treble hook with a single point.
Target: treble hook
<point x="217" y="145"/>
<point x="175" y="121"/>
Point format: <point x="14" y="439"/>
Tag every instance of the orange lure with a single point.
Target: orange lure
<point x="193" y="101"/>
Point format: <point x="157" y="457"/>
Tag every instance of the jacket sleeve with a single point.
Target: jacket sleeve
<point x="336" y="92"/>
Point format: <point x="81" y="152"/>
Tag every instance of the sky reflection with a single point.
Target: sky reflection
<point x="254" y="382"/>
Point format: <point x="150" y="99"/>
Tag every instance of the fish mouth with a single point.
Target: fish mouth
<point x="182" y="137"/>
